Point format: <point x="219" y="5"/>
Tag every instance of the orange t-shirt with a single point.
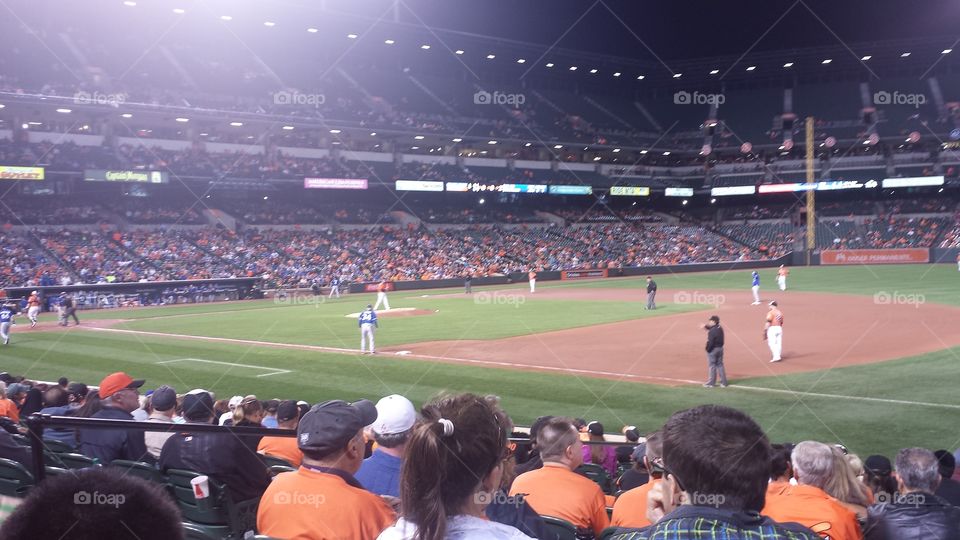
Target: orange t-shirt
<point x="532" y="275"/>
<point x="281" y="447"/>
<point x="775" y="317"/>
<point x="559" y="492"/>
<point x="630" y="510"/>
<point x="311" y="505"/>
<point x="812" y="508"/>
<point x="9" y="409"/>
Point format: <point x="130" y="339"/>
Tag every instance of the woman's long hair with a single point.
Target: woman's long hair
<point x="843" y="484"/>
<point x="91" y="405"/>
<point x="248" y="412"/>
<point x="460" y="440"/>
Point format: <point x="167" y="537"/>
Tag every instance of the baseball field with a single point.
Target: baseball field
<point x="865" y="348"/>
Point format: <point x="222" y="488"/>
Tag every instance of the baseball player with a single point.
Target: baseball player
<point x="7" y="311"/>
<point x="773" y="331"/>
<point x="756" y="288"/>
<point x="382" y="288"/>
<point x="782" y="274"/>
<point x="33" y="308"/>
<point x="368" y="327"/>
<point x="334" y="287"/>
<point x="532" y="276"/>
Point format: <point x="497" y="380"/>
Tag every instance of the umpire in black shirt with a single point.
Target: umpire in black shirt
<point x="651" y="293"/>
<point x="715" y="352"/>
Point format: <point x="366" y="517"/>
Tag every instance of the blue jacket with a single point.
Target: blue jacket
<point x="107" y="445"/>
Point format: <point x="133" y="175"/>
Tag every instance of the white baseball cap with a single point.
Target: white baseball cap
<point x="395" y="414"/>
<point x="234" y="401"/>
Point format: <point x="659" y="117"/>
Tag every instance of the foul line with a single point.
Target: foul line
<point x="514" y="365"/>
<point x="275" y="371"/>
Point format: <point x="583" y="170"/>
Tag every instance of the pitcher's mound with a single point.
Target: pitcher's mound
<point x="396" y="312"/>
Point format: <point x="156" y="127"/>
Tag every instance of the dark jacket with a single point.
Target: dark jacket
<point x="652" y="286"/>
<point x="11" y="449"/>
<point x="515" y="512"/>
<point x="221" y="456"/>
<point x="106" y="445"/>
<point x="949" y="490"/>
<point x="714" y="338"/>
<point x="916" y="516"/>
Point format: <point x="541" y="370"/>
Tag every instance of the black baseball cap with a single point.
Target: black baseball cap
<point x="879" y="465"/>
<point x="287" y="410"/>
<point x="271" y="405"/>
<point x="163" y="398"/>
<point x="715" y="319"/>
<point x="198" y="406"/>
<point x="329" y="426"/>
<point x="78" y="389"/>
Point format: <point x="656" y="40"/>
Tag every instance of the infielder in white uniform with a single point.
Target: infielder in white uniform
<point x="368" y="327"/>
<point x="33" y="308"/>
<point x="773" y="331"/>
<point x="782" y="274"/>
<point x="382" y="296"/>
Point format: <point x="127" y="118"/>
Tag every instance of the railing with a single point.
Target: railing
<point x="37" y="423"/>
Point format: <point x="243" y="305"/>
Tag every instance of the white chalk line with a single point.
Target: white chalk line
<point x="514" y="365"/>
<point x="275" y="371"/>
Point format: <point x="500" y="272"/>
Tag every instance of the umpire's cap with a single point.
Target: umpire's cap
<point x="715" y="319"/>
<point x="773" y="303"/>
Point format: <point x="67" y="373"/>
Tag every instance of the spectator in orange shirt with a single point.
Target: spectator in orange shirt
<point x="630" y="510"/>
<point x="781" y="470"/>
<point x="288" y="417"/>
<point x="807" y="503"/>
<point x="555" y="489"/>
<point x="322" y="500"/>
<point x="8" y="408"/>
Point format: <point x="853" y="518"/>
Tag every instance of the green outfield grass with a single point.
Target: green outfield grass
<point x="866" y="426"/>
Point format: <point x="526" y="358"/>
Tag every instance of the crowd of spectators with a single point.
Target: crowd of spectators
<point x="458" y="468"/>
<point x="889" y="232"/>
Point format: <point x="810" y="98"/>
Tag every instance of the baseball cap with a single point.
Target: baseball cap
<point x="163" y="398"/>
<point x="234" y="401"/>
<point x="638" y="452"/>
<point x="271" y="405"/>
<point x="329" y="426"/>
<point x="395" y="414"/>
<point x="595" y="428"/>
<point x="715" y="319"/>
<point x="115" y="382"/>
<point x="879" y="465"/>
<point x="773" y="303"/>
<point x="16" y="388"/>
<point x="287" y="410"/>
<point x="78" y="389"/>
<point x="198" y="406"/>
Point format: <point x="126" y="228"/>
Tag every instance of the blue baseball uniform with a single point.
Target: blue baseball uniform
<point x="6" y="318"/>
<point x="756" y="288"/>
<point x="368" y="325"/>
<point x="334" y="288"/>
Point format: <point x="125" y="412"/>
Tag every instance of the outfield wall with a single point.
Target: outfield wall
<point x="632" y="271"/>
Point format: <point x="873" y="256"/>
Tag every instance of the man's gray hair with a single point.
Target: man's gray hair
<point x="812" y="463"/>
<point x="392" y="440"/>
<point x="918" y="469"/>
<point x="3" y="389"/>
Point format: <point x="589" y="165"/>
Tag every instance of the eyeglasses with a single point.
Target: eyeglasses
<point x="667" y="471"/>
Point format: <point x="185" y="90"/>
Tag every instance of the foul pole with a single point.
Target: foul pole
<point x="811" y="205"/>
